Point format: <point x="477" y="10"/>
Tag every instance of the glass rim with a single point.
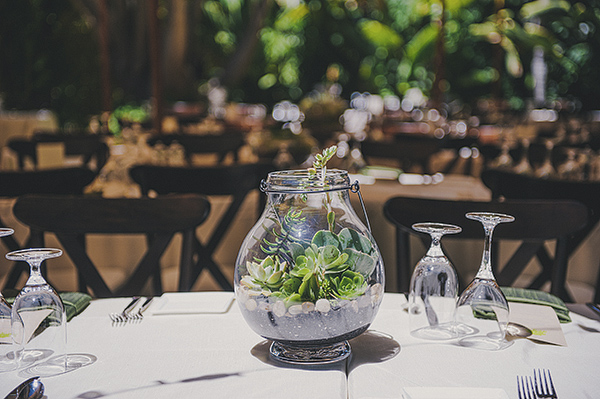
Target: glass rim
<point x="34" y="253"/>
<point x="299" y="181"/>
<point x="436" y="227"/>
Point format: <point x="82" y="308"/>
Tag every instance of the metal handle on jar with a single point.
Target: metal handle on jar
<point x="355" y="188"/>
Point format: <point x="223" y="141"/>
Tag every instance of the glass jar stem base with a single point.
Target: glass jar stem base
<point x="310" y="355"/>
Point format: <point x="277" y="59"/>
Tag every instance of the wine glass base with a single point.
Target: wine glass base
<point x="7" y="364"/>
<point x="485" y="343"/>
<point x="61" y="364"/>
<point x="444" y="331"/>
<point x="302" y="355"/>
<point x="437" y="333"/>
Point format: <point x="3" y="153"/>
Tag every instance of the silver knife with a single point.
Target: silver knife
<point x="594" y="307"/>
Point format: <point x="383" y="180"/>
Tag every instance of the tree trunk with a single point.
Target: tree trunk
<point x="238" y="64"/>
<point x="176" y="72"/>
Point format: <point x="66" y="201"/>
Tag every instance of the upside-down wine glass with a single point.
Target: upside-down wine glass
<point x="38" y="306"/>
<point x="482" y="304"/>
<point x="9" y="349"/>
<point x="433" y="288"/>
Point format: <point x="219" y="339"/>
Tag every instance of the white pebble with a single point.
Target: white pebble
<point x="308" y="307"/>
<point x="295" y="309"/>
<point x="323" y="305"/>
<point x="279" y="309"/>
<point x="251" y="304"/>
<point x="364" y="301"/>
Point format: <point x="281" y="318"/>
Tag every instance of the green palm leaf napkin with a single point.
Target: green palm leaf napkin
<point x="75" y="302"/>
<point x="534" y="297"/>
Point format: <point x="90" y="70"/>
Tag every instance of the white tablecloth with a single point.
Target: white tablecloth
<point x="203" y="355"/>
<point x="397" y="360"/>
<point x="216" y="355"/>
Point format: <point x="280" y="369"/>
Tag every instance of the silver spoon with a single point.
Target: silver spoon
<point x="29" y="389"/>
<point x="518" y="330"/>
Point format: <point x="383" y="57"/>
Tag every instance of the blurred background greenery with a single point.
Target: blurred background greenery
<point x="266" y="51"/>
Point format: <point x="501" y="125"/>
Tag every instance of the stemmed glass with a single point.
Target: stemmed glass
<point x="44" y="330"/>
<point x="9" y="349"/>
<point x="482" y="304"/>
<point x="433" y="288"/>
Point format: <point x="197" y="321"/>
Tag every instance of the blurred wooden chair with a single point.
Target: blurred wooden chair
<point x="91" y="147"/>
<point x="235" y="181"/>
<point x="536" y="221"/>
<point x="407" y="150"/>
<point x="64" y="181"/>
<point x="228" y="142"/>
<point x="71" y="218"/>
<point x="505" y="184"/>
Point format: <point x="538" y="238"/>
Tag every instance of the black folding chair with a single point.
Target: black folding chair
<point x="71" y="218"/>
<point x="536" y="221"/>
<point x="506" y="184"/>
<point x="233" y="180"/>
<point x="66" y="181"/>
<point x="407" y="150"/>
<point x="89" y="146"/>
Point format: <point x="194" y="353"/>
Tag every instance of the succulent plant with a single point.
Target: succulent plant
<point x="269" y="274"/>
<point x="348" y="285"/>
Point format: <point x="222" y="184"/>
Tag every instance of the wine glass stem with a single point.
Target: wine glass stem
<point x="485" y="269"/>
<point x="35" y="274"/>
<point x="436" y="248"/>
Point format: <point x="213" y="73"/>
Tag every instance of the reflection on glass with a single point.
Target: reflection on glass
<point x="482" y="304"/>
<point x="433" y="288"/>
<point x="44" y="334"/>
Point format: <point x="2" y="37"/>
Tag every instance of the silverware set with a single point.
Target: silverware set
<point x="129" y="314"/>
<point x="537" y="387"/>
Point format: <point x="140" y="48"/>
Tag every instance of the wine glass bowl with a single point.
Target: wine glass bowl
<point x="482" y="304"/>
<point x="433" y="288"/>
<point x="42" y="313"/>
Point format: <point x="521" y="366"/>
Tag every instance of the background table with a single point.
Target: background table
<point x="22" y="124"/>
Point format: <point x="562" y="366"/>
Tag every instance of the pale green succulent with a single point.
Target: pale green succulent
<point x="314" y="265"/>
<point x="270" y="273"/>
<point x="349" y="285"/>
<point x="320" y="260"/>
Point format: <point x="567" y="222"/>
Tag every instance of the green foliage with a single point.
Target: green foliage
<point x="49" y="60"/>
<point x="50" y="51"/>
<point x="285" y="242"/>
<point x="322" y="159"/>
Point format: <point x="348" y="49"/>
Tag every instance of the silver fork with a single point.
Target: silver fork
<point x="544" y="387"/>
<point x="122" y="317"/>
<point x="139" y="315"/>
<point x="525" y="388"/>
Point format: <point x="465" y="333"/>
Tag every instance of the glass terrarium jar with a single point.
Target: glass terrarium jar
<point x="309" y="275"/>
